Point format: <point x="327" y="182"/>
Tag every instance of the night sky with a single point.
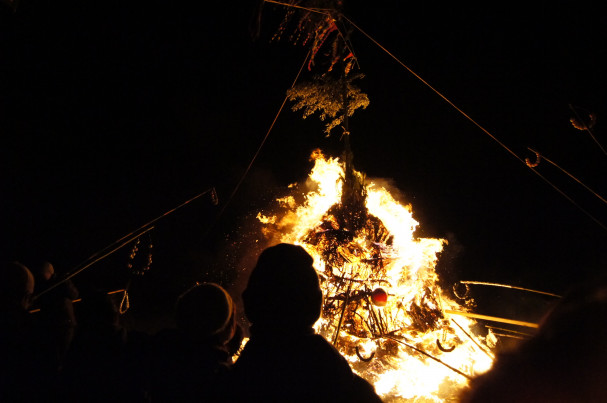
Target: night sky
<point x="112" y="113"/>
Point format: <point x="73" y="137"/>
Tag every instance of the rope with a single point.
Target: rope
<point x="571" y="176"/>
<point x="313" y="10"/>
<point x="433" y="89"/>
<point x="347" y="42"/>
<point x="263" y="142"/>
<point x="469" y="118"/>
<point x="599" y="223"/>
<point x="475" y="123"/>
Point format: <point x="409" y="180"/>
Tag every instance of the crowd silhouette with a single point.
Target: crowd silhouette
<point x="87" y="356"/>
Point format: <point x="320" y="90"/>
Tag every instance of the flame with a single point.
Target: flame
<point x="404" y="344"/>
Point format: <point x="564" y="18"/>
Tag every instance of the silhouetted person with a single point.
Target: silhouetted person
<point x="190" y="363"/>
<point x="17" y="344"/>
<point x="100" y="365"/>
<point x="566" y="361"/>
<point x="56" y="318"/>
<point x="284" y="360"/>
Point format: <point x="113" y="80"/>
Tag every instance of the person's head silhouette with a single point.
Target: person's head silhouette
<point x="283" y="289"/>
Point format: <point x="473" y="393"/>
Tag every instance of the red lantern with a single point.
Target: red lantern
<point x="379" y="297"/>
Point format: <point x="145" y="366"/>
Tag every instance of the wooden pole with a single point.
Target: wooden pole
<point x="80" y="299"/>
<point x="492" y="318"/>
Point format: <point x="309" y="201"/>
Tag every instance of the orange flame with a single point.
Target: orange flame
<point x="383" y="308"/>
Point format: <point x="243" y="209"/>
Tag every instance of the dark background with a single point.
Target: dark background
<point x="112" y="113"/>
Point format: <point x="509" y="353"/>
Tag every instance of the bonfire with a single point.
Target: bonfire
<point x="383" y="306"/>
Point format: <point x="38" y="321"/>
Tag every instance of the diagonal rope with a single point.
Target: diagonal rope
<point x="601" y="198"/>
<point x="583" y="210"/>
<point x="263" y="142"/>
<point x="347" y="41"/>
<point x="313" y="10"/>
<point x="468" y="117"/>
<point x="433" y="89"/>
<point x="475" y="122"/>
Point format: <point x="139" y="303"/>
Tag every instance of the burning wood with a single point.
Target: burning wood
<point x="383" y="307"/>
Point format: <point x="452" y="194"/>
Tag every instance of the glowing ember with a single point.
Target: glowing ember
<point x="383" y="308"/>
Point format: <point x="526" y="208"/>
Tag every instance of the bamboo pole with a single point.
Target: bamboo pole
<point x="512" y="336"/>
<point x="125" y="240"/>
<point x="429" y="356"/>
<point x="523" y="334"/>
<point x="80" y="299"/>
<point x="473" y="340"/>
<point x="491" y="318"/>
<point x="341" y="317"/>
<point x="510" y="286"/>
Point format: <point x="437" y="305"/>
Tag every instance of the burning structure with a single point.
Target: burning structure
<point x="383" y="308"/>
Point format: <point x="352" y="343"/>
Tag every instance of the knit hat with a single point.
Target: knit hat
<point x="283" y="289"/>
<point x="206" y="309"/>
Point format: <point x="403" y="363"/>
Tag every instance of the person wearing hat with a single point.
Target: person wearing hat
<point x="103" y="363"/>
<point x="56" y="318"/>
<point x="285" y="360"/>
<point x="190" y="362"/>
